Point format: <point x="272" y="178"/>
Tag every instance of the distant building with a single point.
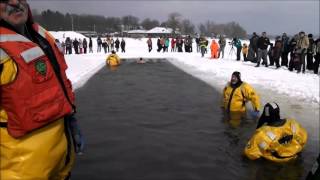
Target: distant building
<point x="154" y="32"/>
<point x="138" y="33"/>
<point x="88" y="33"/>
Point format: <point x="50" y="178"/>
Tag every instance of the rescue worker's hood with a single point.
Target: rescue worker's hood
<point x="270" y="115"/>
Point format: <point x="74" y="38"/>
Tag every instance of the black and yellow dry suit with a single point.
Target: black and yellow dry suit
<point x="235" y="98"/>
<point x="276" y="139"/>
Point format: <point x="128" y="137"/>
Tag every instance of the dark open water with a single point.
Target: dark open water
<point x="154" y="122"/>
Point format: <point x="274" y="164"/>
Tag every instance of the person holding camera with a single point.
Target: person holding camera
<point x="263" y="43"/>
<point x="237" y="43"/>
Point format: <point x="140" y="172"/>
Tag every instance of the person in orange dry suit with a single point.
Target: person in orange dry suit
<point x="214" y="49"/>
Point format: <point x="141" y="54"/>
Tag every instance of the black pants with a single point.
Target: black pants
<point x="238" y="54"/>
<point x="68" y="50"/>
<point x="244" y="57"/>
<point x="316" y="63"/>
<point x="203" y="50"/>
<point x="271" y="60"/>
<point x="149" y="48"/>
<point x="276" y="60"/>
<point x="310" y="61"/>
<point x="284" y="58"/>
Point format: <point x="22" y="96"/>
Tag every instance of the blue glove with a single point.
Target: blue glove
<point x="77" y="136"/>
<point x="255" y="114"/>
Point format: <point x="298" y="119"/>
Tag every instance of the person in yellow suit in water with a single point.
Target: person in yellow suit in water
<point x="113" y="59"/>
<point x="276" y="139"/>
<point x="235" y="96"/>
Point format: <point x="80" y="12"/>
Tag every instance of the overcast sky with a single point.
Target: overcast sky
<point x="272" y="16"/>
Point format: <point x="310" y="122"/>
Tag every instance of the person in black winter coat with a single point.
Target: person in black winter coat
<point x="76" y="45"/>
<point x="254" y="44"/>
<point x="263" y="43"/>
<point x="68" y="46"/>
<point x="285" y="50"/>
<point x="123" y="45"/>
<point x="317" y="56"/>
<point x="310" y="52"/>
<point x="293" y="55"/>
<point x="99" y="43"/>
<point x="84" y="45"/>
<point x="117" y="44"/>
<point x="159" y="44"/>
<point x="90" y="45"/>
<point x="270" y="55"/>
<point x="277" y="51"/>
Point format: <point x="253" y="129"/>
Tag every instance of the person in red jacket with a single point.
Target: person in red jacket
<point x="214" y="49"/>
<point x="37" y="122"/>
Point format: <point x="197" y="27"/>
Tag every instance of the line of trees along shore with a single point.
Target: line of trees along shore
<point x="57" y="21"/>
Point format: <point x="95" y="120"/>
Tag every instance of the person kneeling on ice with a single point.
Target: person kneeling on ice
<point x="275" y="139"/>
<point x="113" y="59"/>
<point x="237" y="93"/>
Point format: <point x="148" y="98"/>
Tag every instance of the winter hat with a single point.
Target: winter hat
<point x="310" y="35"/>
<point x="271" y="114"/>
<point x="237" y="74"/>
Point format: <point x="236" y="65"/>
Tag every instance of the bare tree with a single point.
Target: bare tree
<point x="187" y="27"/>
<point x="231" y="29"/>
<point x="130" y="22"/>
<point x="149" y="24"/>
<point x="174" y="21"/>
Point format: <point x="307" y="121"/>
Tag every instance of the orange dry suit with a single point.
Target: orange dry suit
<point x="214" y="49"/>
<point x="234" y="99"/>
<point x="33" y="138"/>
<point x="113" y="60"/>
<point x="277" y="143"/>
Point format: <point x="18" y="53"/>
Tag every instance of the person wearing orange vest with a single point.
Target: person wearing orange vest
<point x="38" y="129"/>
<point x="214" y="49"/>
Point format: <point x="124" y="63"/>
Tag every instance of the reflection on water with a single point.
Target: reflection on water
<point x="154" y="122"/>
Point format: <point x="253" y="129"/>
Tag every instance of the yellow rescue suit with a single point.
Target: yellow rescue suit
<point x="236" y="98"/>
<point x="265" y="142"/>
<point x="113" y="60"/>
<point x="41" y="154"/>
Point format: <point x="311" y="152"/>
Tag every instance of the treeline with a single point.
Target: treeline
<point x="56" y="21"/>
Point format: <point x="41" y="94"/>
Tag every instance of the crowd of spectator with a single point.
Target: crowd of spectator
<point x="300" y="52"/>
